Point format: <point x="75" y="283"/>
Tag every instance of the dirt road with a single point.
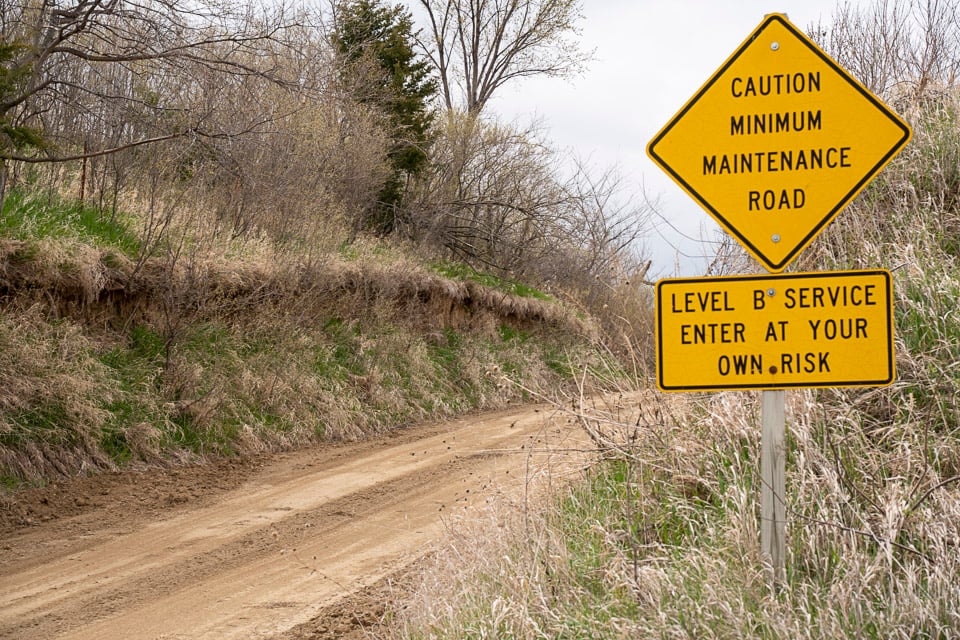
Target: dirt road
<point x="278" y="548"/>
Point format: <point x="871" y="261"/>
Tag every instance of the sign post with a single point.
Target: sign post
<point x="773" y="508"/>
<point x="783" y="331"/>
<point x="775" y="144"/>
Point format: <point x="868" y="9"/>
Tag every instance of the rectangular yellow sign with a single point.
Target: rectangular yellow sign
<point x="828" y="329"/>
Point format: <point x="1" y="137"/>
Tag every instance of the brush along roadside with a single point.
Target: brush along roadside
<point x="662" y="538"/>
<point x="110" y="362"/>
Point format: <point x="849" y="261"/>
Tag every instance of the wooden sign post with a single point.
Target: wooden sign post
<point x="775" y="144"/>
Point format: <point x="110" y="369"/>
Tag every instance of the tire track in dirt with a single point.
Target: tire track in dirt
<point x="297" y="537"/>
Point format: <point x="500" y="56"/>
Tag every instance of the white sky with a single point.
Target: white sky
<point x="651" y="56"/>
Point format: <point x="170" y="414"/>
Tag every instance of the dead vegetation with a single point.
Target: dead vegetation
<point x="80" y="282"/>
<point x="109" y="361"/>
<point x="218" y="225"/>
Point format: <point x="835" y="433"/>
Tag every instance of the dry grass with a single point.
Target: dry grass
<point x="663" y="539"/>
<point x="51" y="396"/>
<point x="189" y="340"/>
<point x="109" y="361"/>
<point x="80" y="280"/>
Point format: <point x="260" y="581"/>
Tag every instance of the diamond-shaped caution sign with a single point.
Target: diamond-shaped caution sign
<point x="777" y="142"/>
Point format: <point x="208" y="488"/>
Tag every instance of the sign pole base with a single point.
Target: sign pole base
<point x="773" y="487"/>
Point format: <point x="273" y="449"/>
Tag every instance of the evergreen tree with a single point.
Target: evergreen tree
<point x="14" y="137"/>
<point x="376" y="43"/>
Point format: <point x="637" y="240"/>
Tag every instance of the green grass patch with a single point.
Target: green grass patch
<point x="46" y="423"/>
<point x="598" y="500"/>
<point x="114" y="443"/>
<point x="201" y="438"/>
<point x="928" y="319"/>
<point x="31" y="217"/>
<point x="511" y="334"/>
<point x="459" y="271"/>
<point x="338" y="354"/>
<point x="137" y="369"/>
<point x="446" y="350"/>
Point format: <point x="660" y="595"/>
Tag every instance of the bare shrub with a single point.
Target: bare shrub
<point x="895" y="48"/>
<point x="302" y="178"/>
<point x="496" y="199"/>
<point x="491" y="200"/>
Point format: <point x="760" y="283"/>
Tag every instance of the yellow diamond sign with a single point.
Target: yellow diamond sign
<point x="777" y="142"/>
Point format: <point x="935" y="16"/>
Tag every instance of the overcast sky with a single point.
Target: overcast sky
<point x="651" y="56"/>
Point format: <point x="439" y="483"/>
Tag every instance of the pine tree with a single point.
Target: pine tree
<point x="376" y="44"/>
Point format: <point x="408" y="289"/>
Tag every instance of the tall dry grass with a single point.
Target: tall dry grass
<point x="48" y="385"/>
<point x="111" y="361"/>
<point x="661" y="540"/>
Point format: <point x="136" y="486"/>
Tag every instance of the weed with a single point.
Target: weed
<point x="445" y="352"/>
<point x="48" y="423"/>
<point x="115" y="445"/>
<point x="510" y="334"/>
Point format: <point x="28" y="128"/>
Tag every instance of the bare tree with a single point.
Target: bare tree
<point x="491" y="198"/>
<point x="477" y="46"/>
<point x="895" y="44"/>
<point x="102" y="67"/>
<point x="606" y="226"/>
<point x="496" y="200"/>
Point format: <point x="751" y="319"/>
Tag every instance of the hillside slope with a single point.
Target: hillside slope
<point x="108" y="362"/>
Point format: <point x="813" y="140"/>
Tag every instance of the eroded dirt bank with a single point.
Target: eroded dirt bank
<point x="287" y="546"/>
